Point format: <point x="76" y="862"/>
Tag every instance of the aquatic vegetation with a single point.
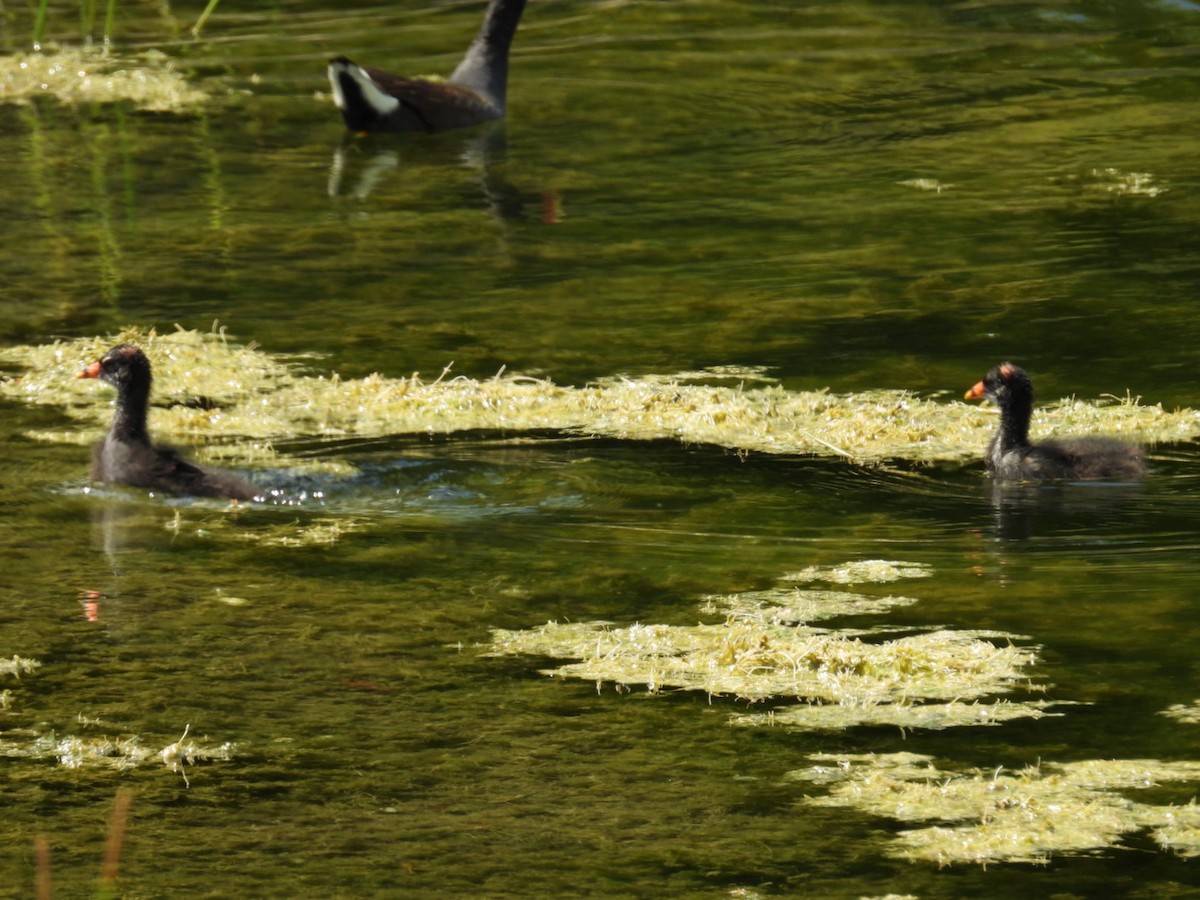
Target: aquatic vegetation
<point x="184" y="752"/>
<point x="17" y="666"/>
<point x="760" y="661"/>
<point x="1025" y="816"/>
<point x="1177" y="828"/>
<point x="111" y="752"/>
<point x="873" y="571"/>
<point x="790" y="604"/>
<point x="906" y="716"/>
<point x="105" y="751"/>
<point x="1185" y="713"/>
<point x="297" y="534"/>
<point x="218" y="391"/>
<point x="89" y="75"/>
<point x="764" y="650"/>
<point x="1117" y="181"/>
<point x="926" y="184"/>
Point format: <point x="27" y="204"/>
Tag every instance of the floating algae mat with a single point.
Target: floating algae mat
<point x="105" y="751"/>
<point x="250" y="396"/>
<point x="760" y="661"/>
<point x="87" y="75"/>
<point x="1184" y="713"/>
<point x="873" y="571"/>
<point x="997" y="816"/>
<point x="765" y="650"/>
<point x="111" y="752"/>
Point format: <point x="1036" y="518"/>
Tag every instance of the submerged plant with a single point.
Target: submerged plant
<point x="105" y="751"/>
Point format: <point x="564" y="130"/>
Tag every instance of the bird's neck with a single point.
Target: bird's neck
<point x="1014" y="423"/>
<point x="129" y="420"/>
<point x="484" y="69"/>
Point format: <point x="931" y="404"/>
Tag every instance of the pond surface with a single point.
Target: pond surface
<point x="854" y="196"/>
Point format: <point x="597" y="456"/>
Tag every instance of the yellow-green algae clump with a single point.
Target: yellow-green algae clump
<point x="1025" y="816"/>
<point x="766" y="650"/>
<point x="259" y="398"/>
<point x="102" y="751"/>
<point x="88" y="75"/>
<point x="1185" y="713"/>
<point x="17" y="666"/>
<point x="113" y="752"/>
<point x="760" y="661"/>
<point x="872" y="571"/>
<point x="320" y="532"/>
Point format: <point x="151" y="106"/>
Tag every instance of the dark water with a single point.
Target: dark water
<point x="677" y="186"/>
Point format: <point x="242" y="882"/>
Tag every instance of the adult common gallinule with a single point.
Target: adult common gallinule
<point x="373" y="100"/>
<point x="126" y="456"/>
<point x="1010" y="455"/>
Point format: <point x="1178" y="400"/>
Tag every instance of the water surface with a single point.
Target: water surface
<point x="854" y="195"/>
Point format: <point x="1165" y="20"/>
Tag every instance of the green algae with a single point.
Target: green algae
<point x="319" y="532"/>
<point x="118" y="752"/>
<point x="89" y="75"/>
<point x="905" y="716"/>
<point x="113" y="752"/>
<point x="761" y="661"/>
<point x="18" y="666"/>
<point x="1177" y="828"/>
<point x="790" y="604"/>
<point x="216" y="392"/>
<point x="1184" y="713"/>
<point x="989" y="816"/>
<point x="765" y="650"/>
<point x="862" y="571"/>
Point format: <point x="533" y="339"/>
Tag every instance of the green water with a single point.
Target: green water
<point x="677" y="186"/>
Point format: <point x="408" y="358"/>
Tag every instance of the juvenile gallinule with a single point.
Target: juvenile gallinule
<point x="373" y="100"/>
<point x="126" y="456"/>
<point x="1010" y="455"/>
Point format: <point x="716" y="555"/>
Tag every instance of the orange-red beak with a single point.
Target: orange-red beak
<point x="973" y="394"/>
<point x="92" y="371"/>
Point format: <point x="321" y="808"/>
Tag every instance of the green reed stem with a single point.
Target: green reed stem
<point x="208" y="11"/>
<point x="39" y="23"/>
<point x="87" y="18"/>
<point x="110" y="16"/>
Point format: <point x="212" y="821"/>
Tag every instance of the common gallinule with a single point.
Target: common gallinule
<point x="126" y="456"/>
<point x="373" y="100"/>
<point x="1010" y="455"/>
